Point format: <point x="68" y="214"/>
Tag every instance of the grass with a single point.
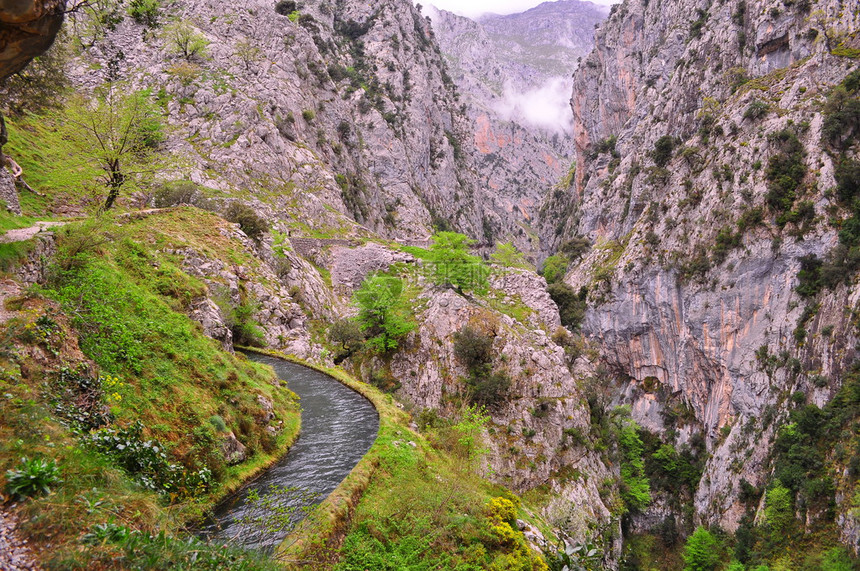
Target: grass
<point x="409" y="506"/>
<point x="115" y="313"/>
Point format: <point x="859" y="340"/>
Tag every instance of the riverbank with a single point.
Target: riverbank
<point x="339" y="427"/>
<point x="413" y="498"/>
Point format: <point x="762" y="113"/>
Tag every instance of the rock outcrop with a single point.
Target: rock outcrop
<point x="27" y="30"/>
<point x="675" y="114"/>
<point x="513" y="74"/>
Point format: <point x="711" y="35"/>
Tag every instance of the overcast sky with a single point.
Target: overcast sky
<point x="472" y="8"/>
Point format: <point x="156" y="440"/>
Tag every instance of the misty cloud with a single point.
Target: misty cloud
<point x="546" y="107"/>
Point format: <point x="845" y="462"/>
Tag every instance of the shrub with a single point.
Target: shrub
<point x="185" y="41"/>
<point x="575" y="248"/>
<point x="175" y="193"/>
<point x="144" y="12"/>
<point x="286" y="7"/>
<point x="473" y="348"/>
<point x="246" y="330"/>
<point x="507" y="255"/>
<point x="453" y="266"/>
<point x="247" y="219"/>
<point x="842" y="115"/>
<point x="635" y="489"/>
<point x="555" y="267"/>
<point x="218" y="423"/>
<point x="146" y="461"/>
<point x="347" y="335"/>
<point x="571" y="305"/>
<point x="756" y="110"/>
<point x="663" y="149"/>
<point x="778" y="511"/>
<point x="382" y="313"/>
<point x="848" y="180"/>
<point x="701" y="552"/>
<point x="490" y="388"/>
<point x="308" y="115"/>
<point x="34" y="478"/>
<point x="785" y="170"/>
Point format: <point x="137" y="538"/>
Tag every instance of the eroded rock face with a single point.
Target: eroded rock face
<point x="27" y="30"/>
<point x="712" y="327"/>
<point x="207" y="313"/>
<point x="339" y="122"/>
<point x="530" y="440"/>
<point x="514" y="75"/>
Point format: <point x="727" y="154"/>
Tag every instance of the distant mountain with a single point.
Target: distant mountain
<point x="514" y="74"/>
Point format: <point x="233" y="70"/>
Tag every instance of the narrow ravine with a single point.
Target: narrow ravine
<point x="338" y="427"/>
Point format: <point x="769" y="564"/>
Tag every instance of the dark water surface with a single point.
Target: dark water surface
<point x="338" y="427"/>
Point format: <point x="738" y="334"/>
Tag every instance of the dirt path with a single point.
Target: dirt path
<point x="24" y="234"/>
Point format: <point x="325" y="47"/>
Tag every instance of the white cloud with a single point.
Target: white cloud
<point x="547" y="107"/>
<point x="474" y="8"/>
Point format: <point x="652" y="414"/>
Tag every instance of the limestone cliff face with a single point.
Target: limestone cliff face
<point x="532" y="433"/>
<point x="513" y="74"/>
<point x="677" y="310"/>
<point x="340" y="119"/>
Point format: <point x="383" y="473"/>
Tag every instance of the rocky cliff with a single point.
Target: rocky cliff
<point x="687" y="117"/>
<point x="333" y="114"/>
<point x="514" y="74"/>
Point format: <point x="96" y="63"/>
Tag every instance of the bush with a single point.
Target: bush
<point x="286" y="7"/>
<point x="785" y="170"/>
<point x="490" y="388"/>
<point x="247" y="219"/>
<point x="175" y="193"/>
<point x="756" y="110"/>
<point x="778" y="511"/>
<point x="571" y="305"/>
<point x="663" y="149"/>
<point x="382" y="313"/>
<point x="701" y="552"/>
<point x="185" y="41"/>
<point x="473" y="348"/>
<point x="555" y="267"/>
<point x="246" y="330"/>
<point x="144" y="12"/>
<point x="146" y="461"/>
<point x="575" y="248"/>
<point x="507" y="255"/>
<point x="453" y="266"/>
<point x="848" y="180"/>
<point x="347" y="335"/>
<point x="34" y="478"/>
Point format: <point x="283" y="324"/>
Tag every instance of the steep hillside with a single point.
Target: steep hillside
<point x="320" y="132"/>
<point x="513" y="74"/>
<point x="716" y="165"/>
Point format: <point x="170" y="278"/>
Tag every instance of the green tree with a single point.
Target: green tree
<point x="145" y="12"/>
<point x="381" y="314"/>
<point x="571" y="305"/>
<point x="555" y="267"/>
<point x="453" y="266"/>
<point x="702" y="551"/>
<point x="113" y="138"/>
<point x="507" y="255"/>
<point x="185" y="41"/>
<point x="346" y="334"/>
<point x="778" y="511"/>
<point x="635" y="488"/>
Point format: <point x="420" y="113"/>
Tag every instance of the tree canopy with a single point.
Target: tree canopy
<point x="381" y="313"/>
<point x="451" y="264"/>
<point x="113" y="137"/>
